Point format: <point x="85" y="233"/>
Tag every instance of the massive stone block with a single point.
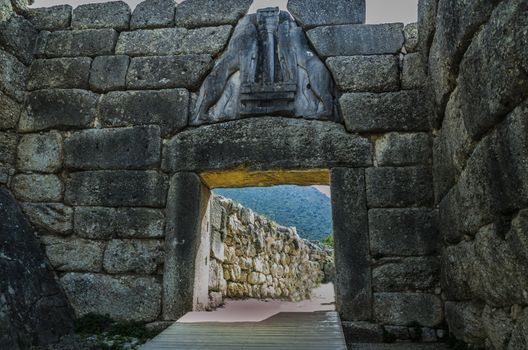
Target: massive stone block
<point x="37" y="188"/>
<point x="109" y="73"/>
<point x="72" y="43"/>
<point x="124" y="298"/>
<point x="357" y="39"/>
<point x="167" y="108"/>
<point x="498" y="326"/>
<point x="61" y="73"/>
<point x="122" y="148"/>
<point x="266" y="143"/>
<point x="153" y="14"/>
<point x="9" y="113"/>
<point x="6" y="10"/>
<point x="50" y="18"/>
<point x="133" y="256"/>
<point x="406" y="274"/>
<point x="403" y="232"/>
<point x="50" y="217"/>
<point x="519" y="338"/>
<point x="404" y="149"/>
<point x="385" y="112"/>
<point x="42" y="153"/>
<point x="206" y="13"/>
<point x="465" y="321"/>
<point x="402" y="309"/>
<point x="13" y="76"/>
<point x="162" y="72"/>
<point x="114" y="14"/>
<point x="314" y="13"/>
<point x="8" y="145"/>
<point x="18" y="37"/>
<point x="116" y="188"/>
<point x="414" y="72"/>
<point x="73" y="254"/>
<point x="410" y="32"/>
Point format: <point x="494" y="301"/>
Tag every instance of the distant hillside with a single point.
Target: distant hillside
<point x="306" y="208"/>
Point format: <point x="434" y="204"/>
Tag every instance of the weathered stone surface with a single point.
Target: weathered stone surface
<point x="42" y="153"/>
<point x="167" y="108"/>
<point x="153" y="14"/>
<point x="314" y="13"/>
<point x="364" y="332"/>
<point x="498" y="326"/>
<point x="37" y="188"/>
<point x="51" y="217"/>
<point x="8" y="144"/>
<point x="519" y="337"/>
<point x="58" y="109"/>
<point x="498" y="54"/>
<point x="121" y="148"/>
<point x="202" y="13"/>
<point x="406" y="274"/>
<point x="217" y="246"/>
<point x="404" y="232"/>
<point x="13" y="76"/>
<point x="266" y="143"/>
<point x="404" y="149"/>
<point x="133" y="256"/>
<point x="94" y="222"/>
<point x="74" y="43"/>
<point x="123" y="298"/>
<point x="402" y="309"/>
<point x="161" y="72"/>
<point x="6" y="10"/>
<point x="116" y="188"/>
<point x="465" y="321"/>
<point x="399" y="187"/>
<point x="426" y="24"/>
<point x="414" y="72"/>
<point x="113" y="14"/>
<point x="173" y="41"/>
<point x="383" y="112"/>
<point x="73" y="254"/>
<point x="34" y="308"/>
<point x="9" y="113"/>
<point x="379" y="73"/>
<point x="50" y="18"/>
<point x="109" y="73"/>
<point x="357" y="39"/>
<point x="18" y="37"/>
<point x="62" y="73"/>
<point x="410" y="32"/>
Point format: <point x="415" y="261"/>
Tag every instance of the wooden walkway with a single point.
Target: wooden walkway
<point x="291" y="331"/>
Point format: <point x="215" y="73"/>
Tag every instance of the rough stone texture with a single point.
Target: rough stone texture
<point x="121" y="148"/>
<point x="37" y="188"/>
<point x="162" y="72"/>
<point x="139" y="223"/>
<point x="498" y="326"/>
<point x="94" y="222"/>
<point x="519" y="337"/>
<point x="62" y="73"/>
<point x="383" y="112"/>
<point x="18" y="37"/>
<point x="13" y="76"/>
<point x="408" y="232"/>
<point x="357" y="39"/>
<point x="50" y="18"/>
<point x="410" y="32"/>
<point x="109" y="73"/>
<point x="361" y="331"/>
<point x="75" y="43"/>
<point x="426" y="24"/>
<point x="206" y="13"/>
<point x="6" y="10"/>
<point x="58" y="109"/>
<point x="50" y="217"/>
<point x="116" y="188"/>
<point x="406" y="274"/>
<point x="414" y="72"/>
<point x="465" y="321"/>
<point x="402" y="309"/>
<point x="123" y="298"/>
<point x="42" y="153"/>
<point x="133" y="256"/>
<point x="9" y="113"/>
<point x="167" y="108"/>
<point x="399" y="187"/>
<point x="8" y="144"/>
<point x="378" y="73"/>
<point x="173" y="41"/>
<point x="114" y="14"/>
<point x="266" y="143"/>
<point x="35" y="311"/>
<point x="153" y="14"/>
<point x="314" y="13"/>
<point x="73" y="254"/>
<point x="396" y="149"/>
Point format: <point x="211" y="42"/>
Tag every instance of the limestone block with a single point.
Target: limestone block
<point x="403" y="232"/>
<point x="120" y="148"/>
<point x="9" y="113"/>
<point x="406" y="274"/>
<point x="78" y="43"/>
<point x="398" y="149"/>
<point x="72" y="254"/>
<point x="162" y="72"/>
<point x="167" y="108"/>
<point x="51" y="217"/>
<point x="401" y="309"/>
<point x="414" y="72"/>
<point x="314" y="13"/>
<point x="399" y="187"/>
<point x="109" y="73"/>
<point x="377" y="73"/>
<point x="498" y="326"/>
<point x="426" y="23"/>
<point x="94" y="222"/>
<point x="6" y="10"/>
<point x="8" y="144"/>
<point x="360" y="331"/>
<point x="58" y="109"/>
<point x="140" y="223"/>
<point x="113" y="14"/>
<point x="410" y="32"/>
<point x="153" y="14"/>
<point x="465" y="321"/>
<point x="62" y="73"/>
<point x="357" y="39"/>
<point x="217" y="246"/>
<point x="18" y="37"/>
<point x="117" y="188"/>
<point x="50" y="18"/>
<point x="207" y="13"/>
<point x="37" y="188"/>
<point x="13" y="76"/>
<point x="519" y="337"/>
<point x="116" y="296"/>
<point x="133" y="256"/>
<point x="40" y="152"/>
<point x="384" y="112"/>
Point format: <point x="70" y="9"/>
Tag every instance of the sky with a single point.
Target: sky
<point x="378" y="11"/>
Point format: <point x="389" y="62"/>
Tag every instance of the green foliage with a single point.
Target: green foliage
<point x="306" y="208"/>
<point x="328" y="240"/>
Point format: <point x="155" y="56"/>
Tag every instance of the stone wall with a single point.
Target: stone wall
<point x="253" y="257"/>
<point x="479" y="84"/>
